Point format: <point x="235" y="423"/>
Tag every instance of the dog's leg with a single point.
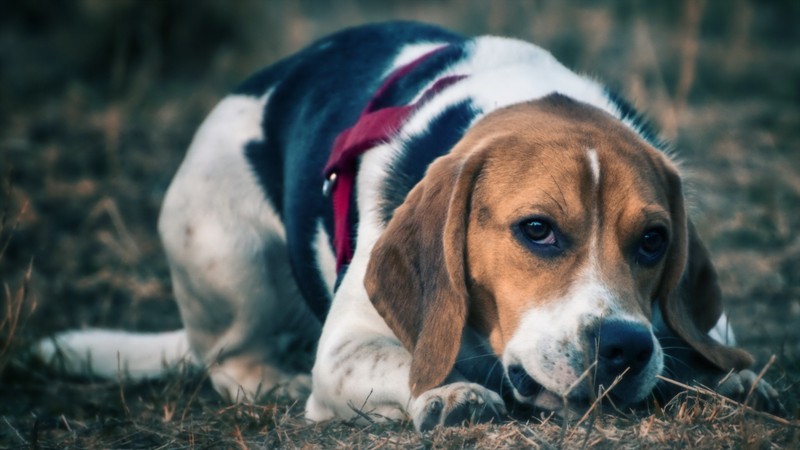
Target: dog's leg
<point x="362" y="370"/>
<point x="226" y="246"/>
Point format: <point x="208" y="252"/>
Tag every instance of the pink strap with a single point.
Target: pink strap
<point x="372" y="128"/>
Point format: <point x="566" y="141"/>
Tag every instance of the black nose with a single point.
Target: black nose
<point x="523" y="382"/>
<point x="622" y="345"/>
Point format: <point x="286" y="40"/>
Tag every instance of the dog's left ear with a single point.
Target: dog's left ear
<point x="689" y="294"/>
<point x="416" y="274"/>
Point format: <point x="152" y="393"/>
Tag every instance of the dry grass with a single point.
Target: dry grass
<point x="181" y="412"/>
<point x="16" y="303"/>
<point x="104" y="97"/>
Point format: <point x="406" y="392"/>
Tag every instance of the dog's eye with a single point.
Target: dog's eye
<point x="541" y="237"/>
<point x="652" y="246"/>
<point x="539" y="232"/>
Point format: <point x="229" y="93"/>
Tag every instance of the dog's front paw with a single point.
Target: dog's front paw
<point x="455" y="404"/>
<point x="737" y="386"/>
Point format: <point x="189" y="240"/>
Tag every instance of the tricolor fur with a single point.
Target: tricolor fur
<point x="498" y="241"/>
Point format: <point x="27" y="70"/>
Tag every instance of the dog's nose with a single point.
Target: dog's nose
<point x="622" y="345"/>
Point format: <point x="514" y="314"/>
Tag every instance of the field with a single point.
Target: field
<point x="99" y="100"/>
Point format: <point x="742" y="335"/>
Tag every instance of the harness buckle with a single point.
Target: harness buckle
<point x="330" y="182"/>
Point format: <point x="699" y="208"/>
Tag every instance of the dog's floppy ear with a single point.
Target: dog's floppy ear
<point x="689" y="294"/>
<point x="415" y="277"/>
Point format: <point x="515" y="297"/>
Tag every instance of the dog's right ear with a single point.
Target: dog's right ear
<point x="415" y="277"/>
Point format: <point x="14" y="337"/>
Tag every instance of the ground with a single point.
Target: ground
<point x="100" y="100"/>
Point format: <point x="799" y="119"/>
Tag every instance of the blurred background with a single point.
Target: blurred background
<point x="99" y="99"/>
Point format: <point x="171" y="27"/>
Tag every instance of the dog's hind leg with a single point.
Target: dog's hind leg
<point x="240" y="304"/>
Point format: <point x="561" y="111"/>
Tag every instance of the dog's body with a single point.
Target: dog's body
<point x="513" y="227"/>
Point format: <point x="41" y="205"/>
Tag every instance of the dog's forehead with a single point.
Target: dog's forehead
<point x="568" y="149"/>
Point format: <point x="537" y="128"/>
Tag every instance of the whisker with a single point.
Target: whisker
<point x="472" y="357"/>
<point x="489" y="376"/>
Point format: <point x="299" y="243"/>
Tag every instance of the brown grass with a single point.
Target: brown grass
<point x="166" y="415"/>
<point x="16" y="303"/>
<point x="102" y="99"/>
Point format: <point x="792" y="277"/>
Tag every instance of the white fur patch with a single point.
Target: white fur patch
<point x="503" y="72"/>
<point x="594" y="165"/>
<point x="215" y="176"/>
<point x="549" y="342"/>
<point x="723" y="332"/>
<point x="111" y="354"/>
<point x="326" y="260"/>
<point x="409" y="53"/>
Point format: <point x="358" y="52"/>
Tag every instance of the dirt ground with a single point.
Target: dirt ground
<point x="99" y="100"/>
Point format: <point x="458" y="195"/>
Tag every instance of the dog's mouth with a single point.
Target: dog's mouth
<point x="531" y="392"/>
<point x="522" y="382"/>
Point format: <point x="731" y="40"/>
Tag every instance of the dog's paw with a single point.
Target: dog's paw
<point x="737" y="386"/>
<point x="455" y="404"/>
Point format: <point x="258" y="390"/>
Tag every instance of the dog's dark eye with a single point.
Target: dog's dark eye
<point x="652" y="246"/>
<point x="539" y="232"/>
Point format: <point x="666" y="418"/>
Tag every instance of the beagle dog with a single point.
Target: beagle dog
<point x="453" y="226"/>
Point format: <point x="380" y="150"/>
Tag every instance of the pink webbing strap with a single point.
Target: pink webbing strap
<point x="372" y="128"/>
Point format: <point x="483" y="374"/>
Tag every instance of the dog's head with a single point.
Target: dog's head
<point x="554" y="230"/>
